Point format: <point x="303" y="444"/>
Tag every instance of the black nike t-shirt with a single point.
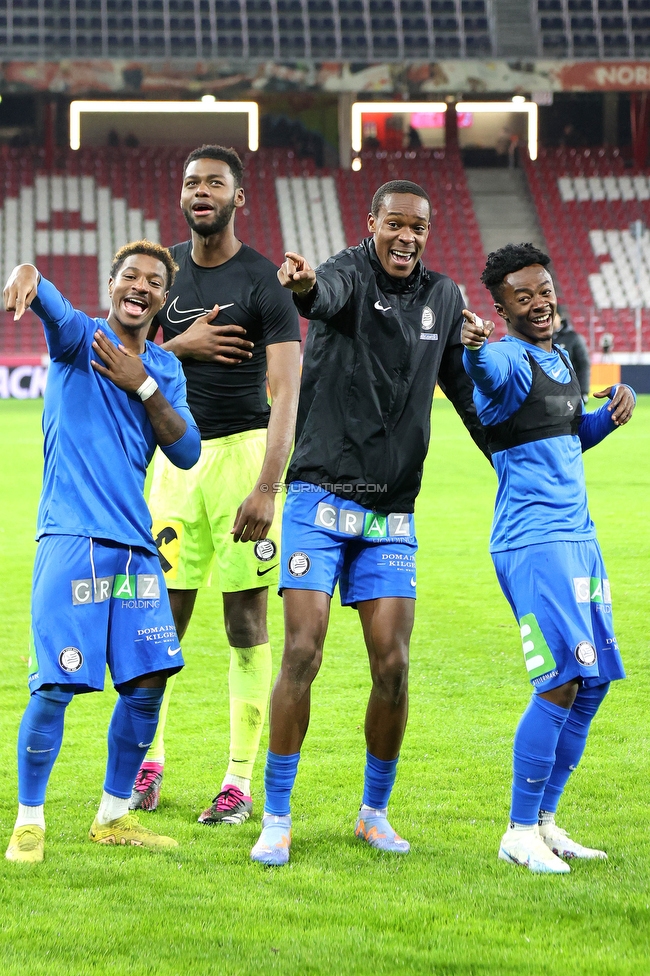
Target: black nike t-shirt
<point x="229" y="399"/>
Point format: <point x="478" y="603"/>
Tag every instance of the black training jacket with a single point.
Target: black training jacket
<point x="374" y="351"/>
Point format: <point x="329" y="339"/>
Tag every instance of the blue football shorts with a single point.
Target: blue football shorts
<point x="560" y="595"/>
<point x="328" y="540"/>
<point x="96" y="603"/>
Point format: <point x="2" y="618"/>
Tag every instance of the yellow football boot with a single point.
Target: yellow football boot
<point x="127" y="831"/>
<point x="27" y="844"/>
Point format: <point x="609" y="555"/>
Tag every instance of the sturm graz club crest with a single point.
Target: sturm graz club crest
<point x="71" y="659"/>
<point x="299" y="564"/>
<point x="265" y="550"/>
<point x="585" y="653"/>
<point x="428" y="318"/>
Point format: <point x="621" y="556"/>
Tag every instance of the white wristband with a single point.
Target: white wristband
<point x="147" y="389"/>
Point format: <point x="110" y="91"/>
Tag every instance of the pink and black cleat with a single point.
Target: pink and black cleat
<point x="229" y="807"/>
<point x="146" y="790"/>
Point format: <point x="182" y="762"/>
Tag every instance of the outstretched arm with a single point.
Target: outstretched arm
<point x="595" y="426"/>
<point x="255" y="514"/>
<point x="21" y="289"/>
<point x="65" y="327"/>
<point x="127" y="372"/>
<point x="317" y="295"/>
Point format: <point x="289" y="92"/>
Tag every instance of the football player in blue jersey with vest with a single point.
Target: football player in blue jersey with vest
<point x="543" y="542"/>
<point x="98" y="593"/>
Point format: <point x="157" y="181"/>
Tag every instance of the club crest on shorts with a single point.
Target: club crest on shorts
<point x="70" y="659"/>
<point x="299" y="564"/>
<point x="428" y="318"/>
<point x="265" y="550"/>
<point x="585" y="653"/>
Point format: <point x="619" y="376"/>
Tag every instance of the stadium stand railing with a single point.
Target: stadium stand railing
<point x="358" y="30"/>
<point x="587" y="201"/>
<point x="592" y="28"/>
<point x="71" y="219"/>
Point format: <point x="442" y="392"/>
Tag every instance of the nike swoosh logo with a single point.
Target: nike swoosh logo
<point x="381" y="308"/>
<point x="38" y="751"/>
<point x="181" y="315"/>
<point x="529" y="780"/>
<point x="555" y="373"/>
<point x="263" y="572"/>
<point x="143" y="745"/>
<point x="175" y="651"/>
<point x="412" y="581"/>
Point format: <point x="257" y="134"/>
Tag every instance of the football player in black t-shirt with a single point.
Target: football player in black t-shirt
<point x="230" y="322"/>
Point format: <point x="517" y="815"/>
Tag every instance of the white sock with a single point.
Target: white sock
<point x="112" y="808"/>
<point x="372" y="811"/>
<point x="239" y="781"/>
<point x="30" y="815"/>
<point x="518" y="826"/>
<point x="546" y="818"/>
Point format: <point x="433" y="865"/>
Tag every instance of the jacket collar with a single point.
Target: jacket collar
<point x="386" y="282"/>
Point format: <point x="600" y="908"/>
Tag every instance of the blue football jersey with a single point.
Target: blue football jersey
<point x="98" y="439"/>
<point x="541" y="496"/>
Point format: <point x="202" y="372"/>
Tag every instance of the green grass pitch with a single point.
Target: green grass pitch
<point x="449" y="908"/>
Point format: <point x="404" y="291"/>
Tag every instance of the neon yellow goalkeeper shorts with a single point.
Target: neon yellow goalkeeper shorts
<point x="193" y="512"/>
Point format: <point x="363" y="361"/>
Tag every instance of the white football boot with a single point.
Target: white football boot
<point x="558" y="841"/>
<point x="523" y="845"/>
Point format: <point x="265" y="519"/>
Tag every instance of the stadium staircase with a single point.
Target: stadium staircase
<point x="516" y="35"/>
<point x="503" y="205"/>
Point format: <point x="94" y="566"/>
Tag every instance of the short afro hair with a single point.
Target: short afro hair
<point x="228" y="156"/>
<point x="512" y="257"/>
<point x="153" y="251"/>
<point x="397" y="186"/>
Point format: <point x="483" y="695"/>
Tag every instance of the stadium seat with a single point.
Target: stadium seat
<point x="586" y="201"/>
<point x="185" y="28"/>
<point x="90" y="197"/>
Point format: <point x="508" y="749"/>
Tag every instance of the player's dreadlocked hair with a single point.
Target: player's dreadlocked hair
<point x="512" y="257"/>
<point x="397" y="186"/>
<point x="228" y="156"/>
<point x="153" y="251"/>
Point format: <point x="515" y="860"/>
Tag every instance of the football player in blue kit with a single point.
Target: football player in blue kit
<point x="98" y="592"/>
<point x="384" y="329"/>
<point x="543" y="542"/>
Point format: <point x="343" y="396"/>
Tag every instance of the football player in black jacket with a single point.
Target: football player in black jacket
<point x="384" y="329"/>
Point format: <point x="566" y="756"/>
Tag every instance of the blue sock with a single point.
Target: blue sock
<point x="130" y="733"/>
<point x="571" y="744"/>
<point x="39" y="741"/>
<point x="533" y="757"/>
<point x="379" y="776"/>
<point x="279" y="777"/>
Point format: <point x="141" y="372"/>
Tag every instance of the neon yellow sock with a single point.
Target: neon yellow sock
<point x="156" y="751"/>
<point x="249" y="681"/>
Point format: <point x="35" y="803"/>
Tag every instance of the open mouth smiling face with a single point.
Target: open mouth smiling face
<point x="138" y="290"/>
<point x="400" y="229"/>
<point x="528" y="304"/>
